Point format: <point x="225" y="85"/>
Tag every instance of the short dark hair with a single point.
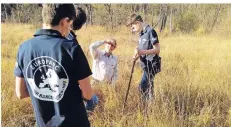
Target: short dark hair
<point x="53" y="13"/>
<point x="133" y="18"/>
<point x="81" y="18"/>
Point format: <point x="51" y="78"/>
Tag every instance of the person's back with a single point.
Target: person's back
<point x="52" y="67"/>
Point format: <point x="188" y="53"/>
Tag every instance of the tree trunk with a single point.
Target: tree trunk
<point x="144" y="11"/>
<point x="6" y="15"/>
<point x="170" y="21"/>
<point x="160" y="15"/>
<point x="110" y="11"/>
<point x="152" y="17"/>
<point x="164" y="17"/>
<point x="216" y="17"/>
<point x="132" y="8"/>
<point x="137" y="8"/>
<point x="90" y="14"/>
<point x="87" y="12"/>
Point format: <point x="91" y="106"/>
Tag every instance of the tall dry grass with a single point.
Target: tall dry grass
<point x="193" y="89"/>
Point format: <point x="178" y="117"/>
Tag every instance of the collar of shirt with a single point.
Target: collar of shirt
<point x="49" y="32"/>
<point x="72" y="34"/>
<point x="104" y="53"/>
<point x="145" y="27"/>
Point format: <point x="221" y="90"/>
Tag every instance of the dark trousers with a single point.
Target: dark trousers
<point x="146" y="86"/>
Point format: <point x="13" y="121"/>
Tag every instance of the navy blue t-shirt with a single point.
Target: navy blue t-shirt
<point x="148" y="38"/>
<point x="51" y="66"/>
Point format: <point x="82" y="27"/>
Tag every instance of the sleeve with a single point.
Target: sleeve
<point x="153" y="37"/>
<point x="115" y="75"/>
<point x="18" y="67"/>
<point x="82" y="67"/>
<point x="94" y="48"/>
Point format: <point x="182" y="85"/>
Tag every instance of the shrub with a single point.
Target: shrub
<point x="187" y="23"/>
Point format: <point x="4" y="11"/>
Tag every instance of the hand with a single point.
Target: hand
<point x="107" y="41"/>
<point x="139" y="52"/>
<point x="110" y="42"/>
<point x="135" y="57"/>
<point x="136" y="51"/>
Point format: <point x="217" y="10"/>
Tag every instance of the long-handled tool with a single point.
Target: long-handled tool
<point x="129" y="84"/>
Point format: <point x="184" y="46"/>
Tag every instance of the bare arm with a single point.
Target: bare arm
<point x="93" y="48"/>
<point x="155" y="50"/>
<point x="85" y="86"/>
<point x="20" y="88"/>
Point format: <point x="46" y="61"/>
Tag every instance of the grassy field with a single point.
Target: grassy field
<point x="193" y="89"/>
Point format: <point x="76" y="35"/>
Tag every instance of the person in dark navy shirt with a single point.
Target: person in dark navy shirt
<point x="80" y="20"/>
<point x="148" y="50"/>
<point x="54" y="72"/>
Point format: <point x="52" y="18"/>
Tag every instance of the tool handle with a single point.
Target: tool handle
<point x="129" y="84"/>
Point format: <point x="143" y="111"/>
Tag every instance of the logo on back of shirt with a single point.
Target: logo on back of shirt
<point x="47" y="78"/>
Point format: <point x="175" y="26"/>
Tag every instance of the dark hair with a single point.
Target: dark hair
<point x="53" y="13"/>
<point x="133" y="18"/>
<point x="81" y="18"/>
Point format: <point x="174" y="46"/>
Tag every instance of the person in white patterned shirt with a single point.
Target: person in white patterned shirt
<point x="104" y="67"/>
